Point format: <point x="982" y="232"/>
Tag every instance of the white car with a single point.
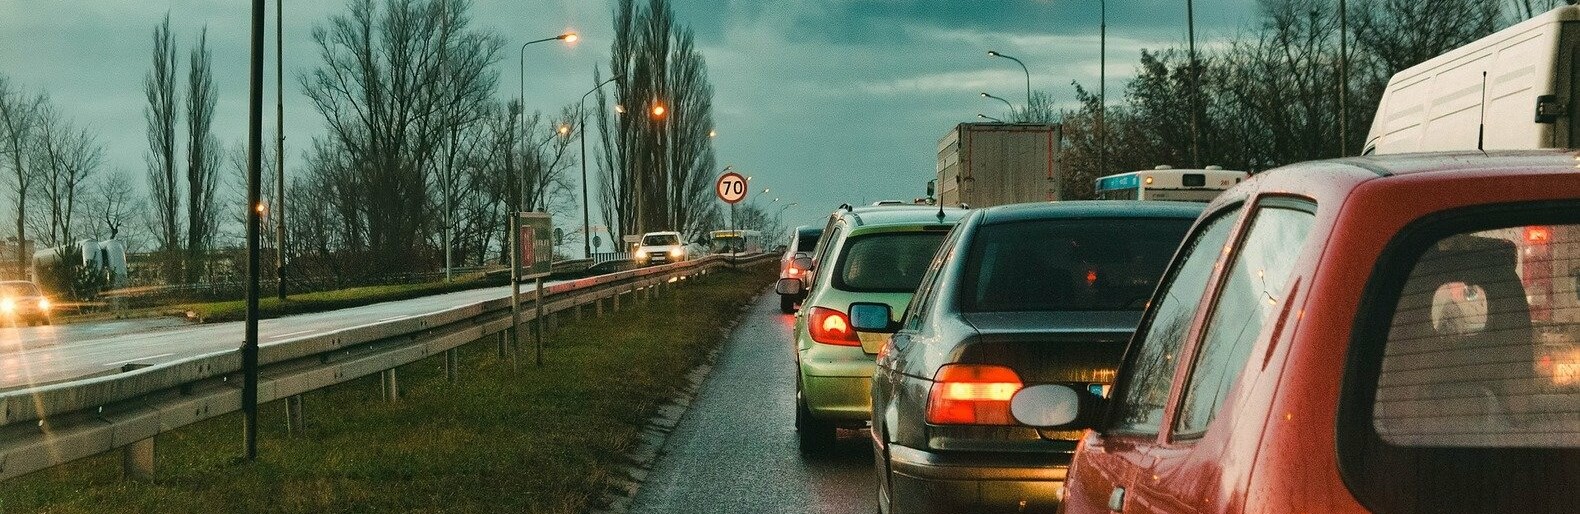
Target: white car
<point x="660" y="248"/>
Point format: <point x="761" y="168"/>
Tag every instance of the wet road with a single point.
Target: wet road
<point x="46" y="354"/>
<point x="735" y="449"/>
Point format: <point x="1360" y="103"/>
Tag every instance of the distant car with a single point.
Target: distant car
<point x="660" y="248"/>
<point x="865" y="254"/>
<point x="803" y="240"/>
<point x="23" y="303"/>
<point x="1382" y="334"/>
<point x="1032" y="293"/>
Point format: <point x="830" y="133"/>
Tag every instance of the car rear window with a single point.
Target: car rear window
<point x="886" y="263"/>
<point x="1465" y="392"/>
<point x="661" y="240"/>
<point x="807" y="241"/>
<point x="1068" y="264"/>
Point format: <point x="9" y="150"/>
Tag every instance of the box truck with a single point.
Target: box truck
<point x="986" y="164"/>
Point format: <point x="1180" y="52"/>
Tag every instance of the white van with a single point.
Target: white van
<point x="1529" y="85"/>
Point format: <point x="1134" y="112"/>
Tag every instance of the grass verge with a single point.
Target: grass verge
<point x="501" y="440"/>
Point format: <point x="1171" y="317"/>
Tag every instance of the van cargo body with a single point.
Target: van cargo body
<point x="987" y="164"/>
<point x="1522" y="76"/>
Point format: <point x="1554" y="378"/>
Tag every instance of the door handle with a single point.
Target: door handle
<point x="1116" y="500"/>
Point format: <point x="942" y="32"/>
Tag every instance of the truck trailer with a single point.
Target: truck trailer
<point x="987" y="164"/>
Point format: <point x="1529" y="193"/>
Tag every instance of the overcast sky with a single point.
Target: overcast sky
<point x="823" y="101"/>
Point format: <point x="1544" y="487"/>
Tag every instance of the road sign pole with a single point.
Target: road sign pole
<point x="538" y="320"/>
<point x="515" y="286"/>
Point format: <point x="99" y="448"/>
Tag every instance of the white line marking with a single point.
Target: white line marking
<point x="128" y="361"/>
<point x="289" y="334"/>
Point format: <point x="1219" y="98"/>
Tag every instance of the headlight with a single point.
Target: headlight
<point x="43" y="304"/>
<point x="8" y="305"/>
<point x="675" y="252"/>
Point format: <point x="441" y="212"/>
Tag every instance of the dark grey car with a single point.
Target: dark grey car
<point x="1019" y="295"/>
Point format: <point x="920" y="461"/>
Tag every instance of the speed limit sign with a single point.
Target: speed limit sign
<point x="731" y="188"/>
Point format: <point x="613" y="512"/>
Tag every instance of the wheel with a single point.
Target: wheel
<point x="814" y="435"/>
<point x="787" y="304"/>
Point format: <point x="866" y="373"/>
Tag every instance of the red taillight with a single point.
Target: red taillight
<point x="792" y="271"/>
<point x="829" y="326"/>
<point x="972" y="394"/>
<point x="1538" y="235"/>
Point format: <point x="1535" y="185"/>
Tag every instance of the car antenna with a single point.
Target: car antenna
<point x="940" y="211"/>
<point x="1481" y="129"/>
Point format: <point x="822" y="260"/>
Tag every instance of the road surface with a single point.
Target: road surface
<point x="735" y="449"/>
<point x="47" y="354"/>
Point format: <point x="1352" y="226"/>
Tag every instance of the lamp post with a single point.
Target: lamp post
<point x="581" y="111"/>
<point x="1195" y="86"/>
<point x="1006" y="102"/>
<point x="986" y="117"/>
<point x="1022" y="68"/>
<point x="515" y="201"/>
<point x="279" y="150"/>
<point x="1102" y="88"/>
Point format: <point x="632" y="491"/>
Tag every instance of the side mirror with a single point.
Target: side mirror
<point x="871" y="317"/>
<point x="788" y="286"/>
<point x="1056" y="406"/>
<point x="804" y="263"/>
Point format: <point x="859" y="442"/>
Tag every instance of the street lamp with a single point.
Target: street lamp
<point x="581" y="110"/>
<point x="1022" y="68"/>
<point x="986" y="117"/>
<point x="1006" y="102"/>
<point x="515" y="199"/>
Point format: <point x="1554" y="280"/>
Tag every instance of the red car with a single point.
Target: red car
<point x="1384" y="334"/>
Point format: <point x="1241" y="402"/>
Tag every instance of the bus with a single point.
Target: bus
<point x="736" y="241"/>
<point x="1165" y="183"/>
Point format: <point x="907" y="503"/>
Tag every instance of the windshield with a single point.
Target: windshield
<point x="1068" y="265"/>
<point x="661" y="240"/>
<point x="18" y="289"/>
<point x="886" y="263"/>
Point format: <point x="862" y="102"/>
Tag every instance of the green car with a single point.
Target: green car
<point x="866" y="254"/>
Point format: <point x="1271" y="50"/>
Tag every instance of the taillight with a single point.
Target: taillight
<point x="972" y="394"/>
<point x="829" y="326"/>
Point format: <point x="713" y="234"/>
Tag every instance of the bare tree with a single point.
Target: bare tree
<point x="203" y="158"/>
<point x="110" y="204"/>
<point x="160" y="89"/>
<point x="67" y="156"/>
<point x="18" y="120"/>
<point x="393" y="79"/>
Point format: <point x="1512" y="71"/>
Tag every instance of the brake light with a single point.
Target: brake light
<point x="792" y="271"/>
<point x="972" y="394"/>
<point x="1538" y="235"/>
<point x="829" y="326"/>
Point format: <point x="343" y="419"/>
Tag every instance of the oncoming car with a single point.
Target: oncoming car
<point x="660" y="248"/>
<point x="1391" y="334"/>
<point x="867" y="254"/>
<point x="22" y="303"/>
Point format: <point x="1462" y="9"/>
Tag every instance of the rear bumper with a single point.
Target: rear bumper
<point x="926" y="482"/>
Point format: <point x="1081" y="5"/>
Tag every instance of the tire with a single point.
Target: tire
<point x="787" y="304"/>
<point x="814" y="435"/>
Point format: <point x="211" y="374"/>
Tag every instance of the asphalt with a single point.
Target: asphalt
<point x="31" y="356"/>
<point x="735" y="449"/>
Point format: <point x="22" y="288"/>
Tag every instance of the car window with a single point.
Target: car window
<point x="926" y="293"/>
<point x="661" y="240"/>
<point x="887" y="262"/>
<point x="1463" y="393"/>
<point x="827" y="245"/>
<point x="806" y="241"/>
<point x="1484" y="349"/>
<point x="1068" y="264"/>
<point x="1249" y="298"/>
<point x="1149" y="372"/>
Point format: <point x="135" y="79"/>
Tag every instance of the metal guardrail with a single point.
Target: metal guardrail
<point x="54" y="424"/>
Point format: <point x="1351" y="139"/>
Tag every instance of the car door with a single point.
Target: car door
<point x="1113" y="460"/>
<point x="1189" y="471"/>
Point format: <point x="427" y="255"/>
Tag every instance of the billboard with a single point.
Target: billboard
<point x="536" y="239"/>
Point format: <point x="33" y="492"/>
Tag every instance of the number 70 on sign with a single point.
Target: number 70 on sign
<point x="731" y="187"/>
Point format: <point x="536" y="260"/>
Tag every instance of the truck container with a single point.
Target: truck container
<point x="986" y="164"/>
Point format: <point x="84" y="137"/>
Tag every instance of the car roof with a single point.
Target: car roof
<point x="1335" y="179"/>
<point x="665" y="233"/>
<point x="903" y="214"/>
<point x="1090" y="209"/>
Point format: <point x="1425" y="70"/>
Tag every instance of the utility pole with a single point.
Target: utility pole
<point x="249" y="348"/>
<point x="1344" y="82"/>
<point x="1102" y="89"/>
<point x="279" y="149"/>
<point x="1195" y="86"/>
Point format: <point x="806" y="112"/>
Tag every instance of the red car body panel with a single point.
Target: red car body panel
<point x="1272" y="446"/>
